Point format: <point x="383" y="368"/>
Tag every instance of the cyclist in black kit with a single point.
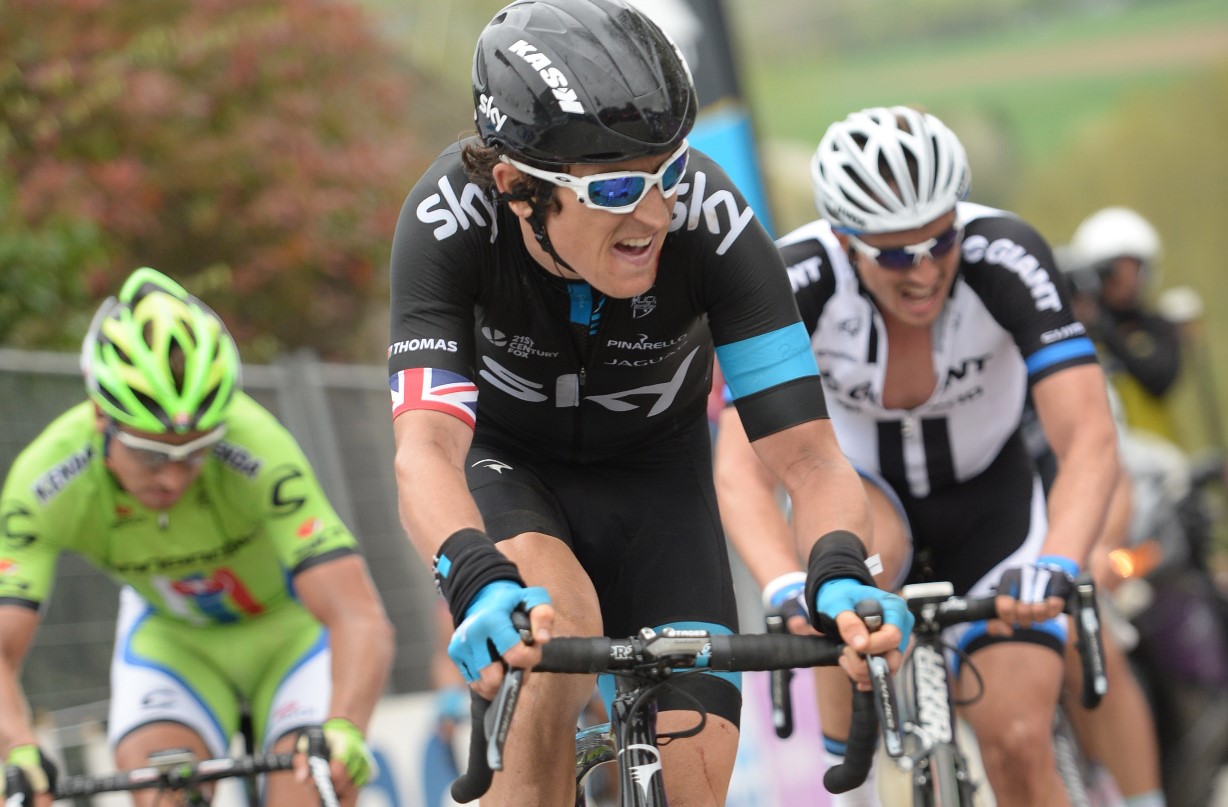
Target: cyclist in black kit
<point x="931" y="318"/>
<point x="573" y="267"/>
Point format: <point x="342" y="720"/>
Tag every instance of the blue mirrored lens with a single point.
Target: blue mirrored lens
<point x="673" y="174"/>
<point x="895" y="259"/>
<point x="617" y="192"/>
<point x="901" y="258"/>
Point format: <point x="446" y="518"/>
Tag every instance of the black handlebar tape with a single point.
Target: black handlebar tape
<point x="71" y="787"/>
<point x="953" y="612"/>
<point x="572" y="654"/>
<point x="15" y="782"/>
<point x="766" y="651"/>
<point x="475" y="781"/>
<point x="859" y="755"/>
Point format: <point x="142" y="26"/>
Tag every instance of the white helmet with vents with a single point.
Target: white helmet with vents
<point x="1114" y="232"/>
<point x="884" y="170"/>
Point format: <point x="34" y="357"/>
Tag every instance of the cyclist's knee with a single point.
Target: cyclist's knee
<point x="1021" y="747"/>
<point x="548" y="562"/>
<point x="136" y="747"/>
<point x="892" y="539"/>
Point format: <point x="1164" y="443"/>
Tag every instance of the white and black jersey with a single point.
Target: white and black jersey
<point x="1006" y="325"/>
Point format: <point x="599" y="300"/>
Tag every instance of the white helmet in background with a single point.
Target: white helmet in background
<point x="884" y="170"/>
<point x="1115" y="232"/>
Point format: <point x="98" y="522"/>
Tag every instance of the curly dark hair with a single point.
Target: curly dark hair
<point x="479" y="161"/>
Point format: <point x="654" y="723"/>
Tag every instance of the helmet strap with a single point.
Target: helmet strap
<point x="537" y="221"/>
<point x="538" y="209"/>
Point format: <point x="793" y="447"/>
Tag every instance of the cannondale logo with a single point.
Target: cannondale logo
<point x="642" y="774"/>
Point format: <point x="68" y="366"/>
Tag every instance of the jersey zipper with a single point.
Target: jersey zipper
<point x="584" y="360"/>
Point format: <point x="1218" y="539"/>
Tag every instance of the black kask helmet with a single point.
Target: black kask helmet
<point x="580" y="81"/>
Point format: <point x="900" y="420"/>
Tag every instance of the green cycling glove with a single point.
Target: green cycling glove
<point x="40" y="771"/>
<point x="347" y="744"/>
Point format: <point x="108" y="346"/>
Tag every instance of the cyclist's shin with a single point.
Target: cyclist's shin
<point x="865" y="794"/>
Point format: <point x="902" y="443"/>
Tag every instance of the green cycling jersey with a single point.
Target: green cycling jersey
<point x="226" y="551"/>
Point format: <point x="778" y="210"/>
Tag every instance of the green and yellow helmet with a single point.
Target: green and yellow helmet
<point x="159" y="360"/>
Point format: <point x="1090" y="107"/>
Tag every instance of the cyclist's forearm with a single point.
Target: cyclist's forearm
<point x="362" y="651"/>
<point x="342" y="597"/>
<point x="825" y="492"/>
<point x="17" y="626"/>
<point x="1081" y="494"/>
<point x="1074" y="409"/>
<point x="15" y="728"/>
<point x="751" y="512"/>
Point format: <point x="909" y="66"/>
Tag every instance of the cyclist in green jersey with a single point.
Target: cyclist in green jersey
<point x="242" y="589"/>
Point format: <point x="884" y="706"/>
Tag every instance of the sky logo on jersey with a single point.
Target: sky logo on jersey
<point x="470" y="209"/>
<point x="439" y="390"/>
<point x="692" y="204"/>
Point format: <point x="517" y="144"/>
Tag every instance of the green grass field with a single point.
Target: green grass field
<point x="1043" y="82"/>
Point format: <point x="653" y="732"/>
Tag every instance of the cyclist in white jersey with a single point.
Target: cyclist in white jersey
<point x="931" y="319"/>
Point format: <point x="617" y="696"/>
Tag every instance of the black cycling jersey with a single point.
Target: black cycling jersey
<point x="472" y="312"/>
<point x="593" y="418"/>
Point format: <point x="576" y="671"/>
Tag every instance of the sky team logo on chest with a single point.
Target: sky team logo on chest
<point x="439" y="390"/>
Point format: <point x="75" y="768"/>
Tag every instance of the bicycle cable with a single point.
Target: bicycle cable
<point x="651" y="691"/>
<point x="965" y="659"/>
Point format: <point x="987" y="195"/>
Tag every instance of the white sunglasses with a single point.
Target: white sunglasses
<point x="155" y="454"/>
<point x="909" y="255"/>
<point x="615" y="191"/>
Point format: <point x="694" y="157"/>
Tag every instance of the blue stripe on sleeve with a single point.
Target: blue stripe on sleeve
<point x="763" y="361"/>
<point x="1060" y="352"/>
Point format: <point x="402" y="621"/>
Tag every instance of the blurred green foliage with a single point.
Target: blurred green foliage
<point x="257" y="151"/>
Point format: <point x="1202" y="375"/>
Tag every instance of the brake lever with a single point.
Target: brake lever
<point x="779" y="683"/>
<point x="498" y="720"/>
<point x="881" y="686"/>
<point x="1089" y="641"/>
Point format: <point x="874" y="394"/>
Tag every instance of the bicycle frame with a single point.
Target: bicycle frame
<point x="938" y="769"/>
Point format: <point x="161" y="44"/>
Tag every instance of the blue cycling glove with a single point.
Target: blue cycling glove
<point x="487" y="632"/>
<point x="843" y="594"/>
